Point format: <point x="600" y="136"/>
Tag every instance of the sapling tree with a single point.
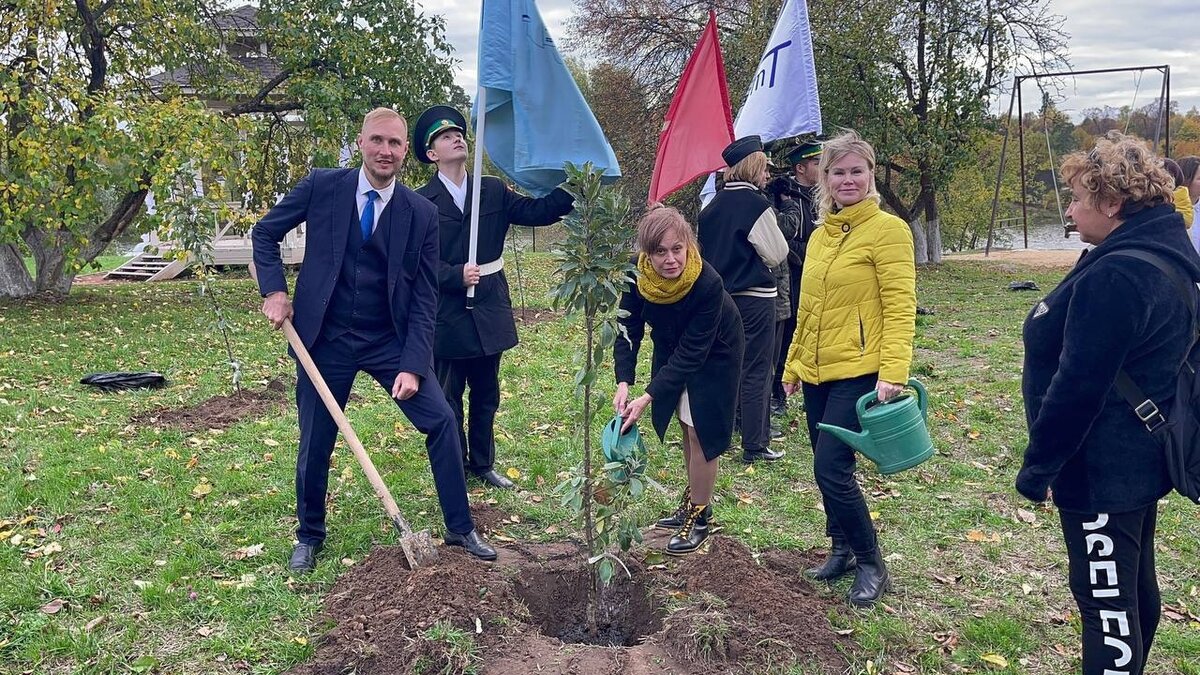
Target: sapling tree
<point x="595" y="269"/>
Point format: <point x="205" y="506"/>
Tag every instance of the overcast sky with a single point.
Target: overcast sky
<point x="1104" y="34"/>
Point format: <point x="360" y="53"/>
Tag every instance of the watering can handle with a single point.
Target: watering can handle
<point x="922" y="396"/>
<point x="873" y="396"/>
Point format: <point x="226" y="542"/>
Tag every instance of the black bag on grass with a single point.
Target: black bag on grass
<point x="1177" y="430"/>
<point x="122" y="380"/>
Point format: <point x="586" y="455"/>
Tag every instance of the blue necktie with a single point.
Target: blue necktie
<point x="367" y="222"/>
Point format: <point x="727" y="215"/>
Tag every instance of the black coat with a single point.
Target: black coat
<point x="489" y="327"/>
<point x="1109" y="313"/>
<point x="698" y="344"/>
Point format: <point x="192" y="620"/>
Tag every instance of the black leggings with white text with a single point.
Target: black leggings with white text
<point x="1111" y="574"/>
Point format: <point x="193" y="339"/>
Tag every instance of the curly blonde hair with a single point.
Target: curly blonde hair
<point x="832" y="151"/>
<point x="1120" y="168"/>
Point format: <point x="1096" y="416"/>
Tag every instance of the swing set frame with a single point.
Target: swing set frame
<point x="1164" y="125"/>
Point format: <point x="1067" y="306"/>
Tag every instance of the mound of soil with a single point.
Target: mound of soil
<point x="718" y="611"/>
<point x="534" y="315"/>
<point x="219" y="412"/>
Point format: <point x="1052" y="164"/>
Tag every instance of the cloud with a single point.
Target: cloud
<point x="1105" y="34"/>
<point x="1121" y="34"/>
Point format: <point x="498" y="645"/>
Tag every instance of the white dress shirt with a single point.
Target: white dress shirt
<point x="385" y="196"/>
<point x="457" y="192"/>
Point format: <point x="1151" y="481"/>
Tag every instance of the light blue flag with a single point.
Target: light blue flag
<point x="537" y="119"/>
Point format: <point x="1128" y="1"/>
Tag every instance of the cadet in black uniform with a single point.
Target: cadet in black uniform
<point x="468" y="342"/>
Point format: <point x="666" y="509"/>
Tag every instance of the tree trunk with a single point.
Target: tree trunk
<point x="15" y="281"/>
<point x="921" y="251"/>
<point x="933" y="232"/>
<point x="54" y="273"/>
<point x="589" y="527"/>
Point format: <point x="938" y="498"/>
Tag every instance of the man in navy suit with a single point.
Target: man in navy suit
<point x="365" y="300"/>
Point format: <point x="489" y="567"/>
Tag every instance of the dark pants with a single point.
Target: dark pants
<point x="789" y="328"/>
<point x="754" y="389"/>
<point x="846" y="513"/>
<point x="1111" y="573"/>
<point x="482" y="376"/>
<point x="339" y="361"/>
<point x="783" y="340"/>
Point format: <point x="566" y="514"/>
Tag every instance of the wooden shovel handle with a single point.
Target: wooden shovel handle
<point x="343" y="424"/>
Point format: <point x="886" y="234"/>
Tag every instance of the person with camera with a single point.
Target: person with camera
<point x="793" y="195"/>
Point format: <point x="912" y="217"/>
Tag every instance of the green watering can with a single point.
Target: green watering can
<point x="617" y="446"/>
<point x="894" y="434"/>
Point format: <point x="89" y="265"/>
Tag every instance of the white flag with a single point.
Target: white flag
<point x="782" y="100"/>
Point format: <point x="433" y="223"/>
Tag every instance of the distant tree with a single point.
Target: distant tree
<point x="93" y="123"/>
<point x="917" y="77"/>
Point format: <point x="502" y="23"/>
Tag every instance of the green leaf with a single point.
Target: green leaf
<point x="144" y="664"/>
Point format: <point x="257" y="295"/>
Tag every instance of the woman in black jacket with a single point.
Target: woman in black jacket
<point x="742" y="241"/>
<point x="1088" y="450"/>
<point x="697" y="361"/>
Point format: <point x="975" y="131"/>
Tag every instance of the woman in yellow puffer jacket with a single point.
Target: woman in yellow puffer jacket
<point x="854" y="334"/>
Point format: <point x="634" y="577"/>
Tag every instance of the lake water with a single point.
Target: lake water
<point x="1042" y="237"/>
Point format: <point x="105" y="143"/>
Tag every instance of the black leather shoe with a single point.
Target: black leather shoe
<point x="304" y="558"/>
<point x="495" y="480"/>
<point x="841" y="562"/>
<point x="471" y="541"/>
<point x="693" y="532"/>
<point x="675" y="520"/>
<point x="764" y="455"/>
<point x="871" y="580"/>
<point x="775" y="432"/>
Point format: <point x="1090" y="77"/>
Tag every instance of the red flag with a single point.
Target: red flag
<point x="699" y="123"/>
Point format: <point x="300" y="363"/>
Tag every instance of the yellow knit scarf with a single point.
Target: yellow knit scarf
<point x="654" y="288"/>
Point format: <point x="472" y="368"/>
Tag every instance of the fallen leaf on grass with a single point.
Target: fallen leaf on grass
<point x="995" y="660"/>
<point x="300" y="641"/>
<point x="270" y="442"/>
<point x="1173" y="615"/>
<point x="512" y="473"/>
<point x="949" y="581"/>
<point x="91" y="625"/>
<point x="1026" y="589"/>
<point x="1026" y="516"/>
<point x="53" y="607"/>
<point x="843" y="631"/>
<point x="977" y="536"/>
<point x="536" y="499"/>
<point x="248" y="552"/>
<point x="141" y="585"/>
<point x="201" y="490"/>
<point x="204" y="631"/>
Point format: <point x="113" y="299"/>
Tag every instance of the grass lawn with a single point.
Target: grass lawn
<point x="102" y="263"/>
<point x="125" y="548"/>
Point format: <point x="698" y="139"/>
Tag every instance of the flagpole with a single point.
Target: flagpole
<point x="476" y="178"/>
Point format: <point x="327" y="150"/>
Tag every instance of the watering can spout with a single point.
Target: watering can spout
<point x="859" y="441"/>
<point x="894" y="434"/>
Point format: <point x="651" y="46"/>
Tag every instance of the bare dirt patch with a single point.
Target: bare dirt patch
<point x="1056" y="260"/>
<point x="530" y="316"/>
<point x="718" y="611"/>
<point x="220" y="412"/>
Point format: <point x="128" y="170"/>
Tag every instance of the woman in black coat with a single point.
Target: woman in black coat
<point x="697" y="361"/>
<point x="1087" y="448"/>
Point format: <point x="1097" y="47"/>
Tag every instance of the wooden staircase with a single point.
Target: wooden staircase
<point x="148" y="267"/>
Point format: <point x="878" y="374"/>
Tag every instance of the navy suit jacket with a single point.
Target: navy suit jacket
<point x="325" y="199"/>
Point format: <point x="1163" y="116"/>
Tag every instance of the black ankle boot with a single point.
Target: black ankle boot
<point x="693" y="532"/>
<point x="839" y="563"/>
<point x="870" y="581"/>
<point x="675" y="520"/>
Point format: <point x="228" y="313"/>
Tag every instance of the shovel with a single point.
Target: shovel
<point x="418" y="547"/>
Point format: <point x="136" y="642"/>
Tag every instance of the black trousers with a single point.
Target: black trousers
<point x="783" y="340"/>
<point x="1111" y="574"/>
<point x="754" y="388"/>
<point x="789" y="327"/>
<point x="482" y="376"/>
<point x="846" y="513"/>
<point x="339" y="361"/>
